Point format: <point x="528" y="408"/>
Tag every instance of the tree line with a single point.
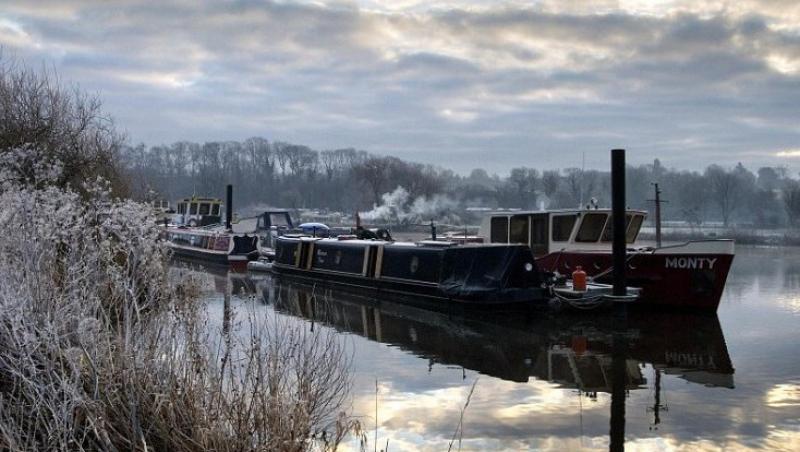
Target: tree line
<point x="279" y="174"/>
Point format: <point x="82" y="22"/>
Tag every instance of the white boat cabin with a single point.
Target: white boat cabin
<point x="555" y="230"/>
<point x="197" y="211"/>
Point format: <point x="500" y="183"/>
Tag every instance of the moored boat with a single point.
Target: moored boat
<point x="688" y="275"/>
<point x="472" y="275"/>
<point x="214" y="246"/>
<point x="215" y="243"/>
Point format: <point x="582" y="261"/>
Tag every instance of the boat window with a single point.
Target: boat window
<point x="193" y="208"/>
<point x="499" y="230"/>
<point x="538" y="241"/>
<point x="215" y="209"/>
<point x="519" y="229"/>
<point x="205" y="208"/>
<point x="633" y="228"/>
<point x="591" y="227"/>
<point x="608" y="233"/>
<point x="279" y="219"/>
<point x="181" y="208"/>
<point x="562" y="227"/>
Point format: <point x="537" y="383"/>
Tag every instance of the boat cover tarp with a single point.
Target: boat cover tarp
<point x="412" y="262"/>
<point x="487" y="271"/>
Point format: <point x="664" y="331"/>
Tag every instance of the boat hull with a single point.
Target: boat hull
<point x="494" y="275"/>
<point x="233" y="262"/>
<point x="667" y="277"/>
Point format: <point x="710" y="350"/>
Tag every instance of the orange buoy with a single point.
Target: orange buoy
<point x="579" y="279"/>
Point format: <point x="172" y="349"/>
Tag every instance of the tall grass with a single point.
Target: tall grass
<point x="101" y="350"/>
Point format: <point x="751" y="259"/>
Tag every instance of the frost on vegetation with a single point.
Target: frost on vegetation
<point x="100" y="350"/>
<point x="28" y="166"/>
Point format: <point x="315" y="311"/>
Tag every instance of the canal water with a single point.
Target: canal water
<point x="561" y="381"/>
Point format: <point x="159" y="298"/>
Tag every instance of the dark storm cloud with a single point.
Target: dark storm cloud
<point x="535" y="86"/>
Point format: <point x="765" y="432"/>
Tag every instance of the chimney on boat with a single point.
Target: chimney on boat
<point x="618" y="217"/>
<point x="228" y="206"/>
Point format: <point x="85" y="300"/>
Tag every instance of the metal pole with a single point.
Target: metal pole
<point x="618" y="216"/>
<point x="658" y="216"/>
<point x="228" y="206"/>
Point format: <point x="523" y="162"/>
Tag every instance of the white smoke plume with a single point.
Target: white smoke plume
<point x="398" y="209"/>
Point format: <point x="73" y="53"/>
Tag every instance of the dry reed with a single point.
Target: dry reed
<point x="100" y="350"/>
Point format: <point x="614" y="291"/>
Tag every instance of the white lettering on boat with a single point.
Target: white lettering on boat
<point x="690" y="262"/>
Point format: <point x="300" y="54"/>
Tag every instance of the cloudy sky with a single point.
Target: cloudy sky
<point x="461" y="84"/>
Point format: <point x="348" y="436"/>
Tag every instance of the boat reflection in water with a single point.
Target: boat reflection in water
<point x="593" y="353"/>
<point x="573" y="350"/>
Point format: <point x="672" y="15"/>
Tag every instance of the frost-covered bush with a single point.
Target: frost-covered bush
<point x="101" y="350"/>
<point x="78" y="281"/>
<point x="27" y="165"/>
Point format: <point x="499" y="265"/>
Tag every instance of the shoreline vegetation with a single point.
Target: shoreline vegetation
<point x="101" y="348"/>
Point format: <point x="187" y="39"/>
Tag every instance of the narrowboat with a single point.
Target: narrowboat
<point x="688" y="275"/>
<point x="215" y="246"/>
<point x="498" y="274"/>
<point x="231" y="244"/>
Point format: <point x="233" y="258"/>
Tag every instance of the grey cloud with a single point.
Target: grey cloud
<point x="534" y="87"/>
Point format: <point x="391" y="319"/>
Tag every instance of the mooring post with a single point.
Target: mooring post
<point x="433" y="231"/>
<point x="618" y="216"/>
<point x="228" y="206"/>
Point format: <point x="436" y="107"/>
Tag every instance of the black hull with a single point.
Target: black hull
<point x="231" y="262"/>
<point x="476" y="276"/>
<point x="409" y="291"/>
<point x="199" y="255"/>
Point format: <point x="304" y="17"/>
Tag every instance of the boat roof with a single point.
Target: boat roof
<point x="201" y="199"/>
<point x="577" y="210"/>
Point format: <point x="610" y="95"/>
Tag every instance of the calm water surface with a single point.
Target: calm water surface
<point x="565" y="382"/>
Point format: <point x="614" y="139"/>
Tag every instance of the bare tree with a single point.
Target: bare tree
<point x="723" y="189"/>
<point x="62" y="124"/>
<point x="791" y="202"/>
<point x="550" y="181"/>
<point x="373" y="172"/>
<point x="524" y="180"/>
